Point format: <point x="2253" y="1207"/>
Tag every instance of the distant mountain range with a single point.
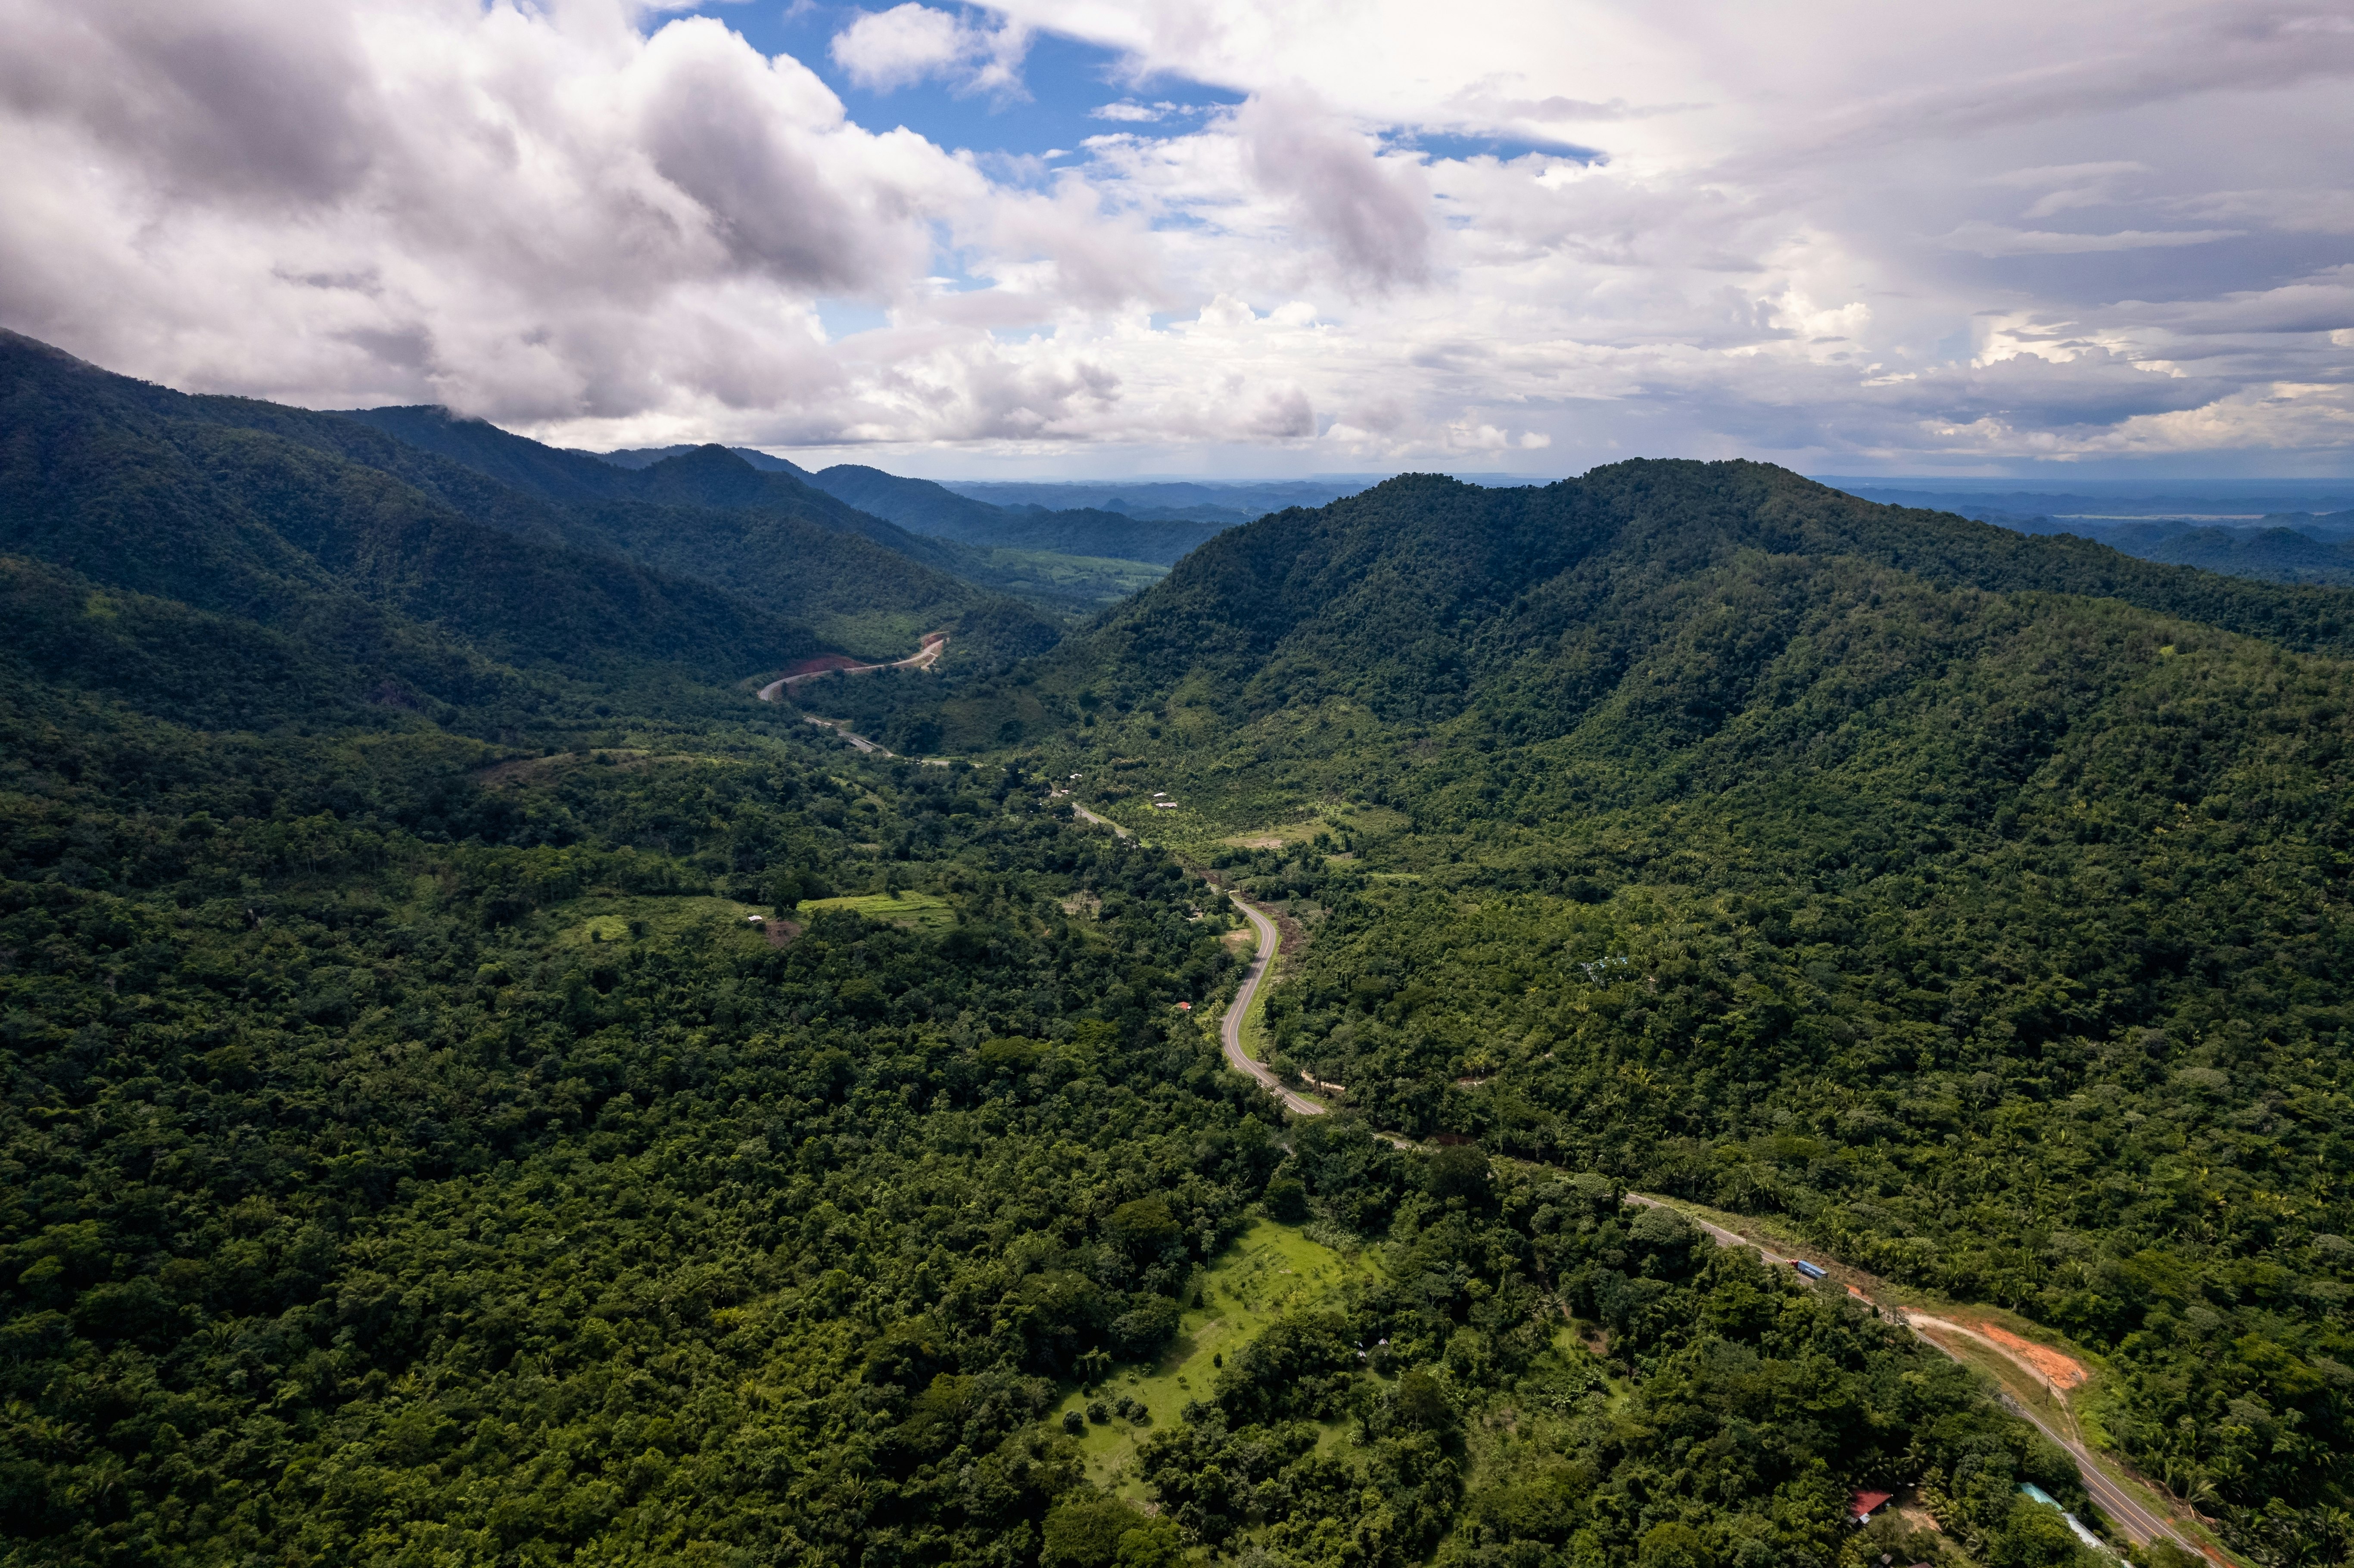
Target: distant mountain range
<point x="406" y="556"/>
<point x="1061" y="519"/>
<point x="2244" y="530"/>
<point x="1195" y="499"/>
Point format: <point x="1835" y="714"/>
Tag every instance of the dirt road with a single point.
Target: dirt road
<point x="935" y="644"/>
<point x="2128" y="1513"/>
<point x="2134" y="1518"/>
<point x="860" y="741"/>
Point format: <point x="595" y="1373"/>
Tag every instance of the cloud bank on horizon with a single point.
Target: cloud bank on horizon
<point x="1499" y="235"/>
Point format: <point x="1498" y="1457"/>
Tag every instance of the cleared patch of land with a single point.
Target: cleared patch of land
<point x="1267" y="1271"/>
<point x="620" y="920"/>
<point x="919" y="911"/>
<point x="2055" y="1386"/>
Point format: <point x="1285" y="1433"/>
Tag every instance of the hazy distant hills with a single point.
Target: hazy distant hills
<point x="1201" y="500"/>
<point x="2279" y="531"/>
<point x="1152" y="521"/>
<point x="936" y="510"/>
<point x="939" y="511"/>
<point x="2318" y="550"/>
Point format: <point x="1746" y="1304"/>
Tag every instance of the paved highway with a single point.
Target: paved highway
<point x="1230" y="1033"/>
<point x="2130" y="1516"/>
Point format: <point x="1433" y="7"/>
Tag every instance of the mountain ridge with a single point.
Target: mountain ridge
<point x="1962" y="896"/>
<point x="942" y="512"/>
<point x="141" y="488"/>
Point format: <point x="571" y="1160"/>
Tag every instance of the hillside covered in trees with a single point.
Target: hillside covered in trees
<point x="253" y="508"/>
<point x="479" y="1085"/>
<point x="1974" y="903"/>
<point x="415" y="1151"/>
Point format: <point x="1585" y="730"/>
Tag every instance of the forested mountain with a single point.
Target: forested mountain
<point x="734" y="516"/>
<point x="576" y="1112"/>
<point x="1976" y="902"/>
<point x="644" y="457"/>
<point x="535" y="554"/>
<point x="137" y="488"/>
<point x="411" y="1148"/>
<point x="710" y="513"/>
<point x="1424" y="600"/>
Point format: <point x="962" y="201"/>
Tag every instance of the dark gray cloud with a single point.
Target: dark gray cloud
<point x="1373" y="212"/>
<point x="224" y="97"/>
<point x="2094" y="387"/>
<point x="714" y="133"/>
<point x="2188" y="51"/>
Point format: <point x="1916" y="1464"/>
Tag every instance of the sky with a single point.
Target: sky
<point x="1087" y="238"/>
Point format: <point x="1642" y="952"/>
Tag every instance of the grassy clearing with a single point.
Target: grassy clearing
<point x="1277" y="837"/>
<point x="1093" y="579"/>
<point x="921" y="911"/>
<point x="1269" y="1270"/>
<point x="589" y="922"/>
<point x="878" y="635"/>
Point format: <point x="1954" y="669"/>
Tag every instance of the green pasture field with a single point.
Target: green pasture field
<point x="920" y="911"/>
<point x="1267" y="1271"/>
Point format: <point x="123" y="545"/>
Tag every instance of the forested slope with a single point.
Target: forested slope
<point x="122" y="484"/>
<point x="536" y="554"/>
<point x="764" y="530"/>
<point x="411" y="1148"/>
<point x="1977" y="901"/>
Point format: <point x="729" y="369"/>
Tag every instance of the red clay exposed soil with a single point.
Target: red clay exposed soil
<point x="2060" y="1370"/>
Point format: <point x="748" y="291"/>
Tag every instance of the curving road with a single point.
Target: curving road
<point x="1230" y="1033"/>
<point x="2128" y="1513"/>
<point x="935" y="643"/>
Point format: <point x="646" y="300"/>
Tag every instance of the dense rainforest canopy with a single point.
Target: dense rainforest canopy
<point x="1975" y="903"/>
<point x="412" y="1149"/>
<point x="480" y="1085"/>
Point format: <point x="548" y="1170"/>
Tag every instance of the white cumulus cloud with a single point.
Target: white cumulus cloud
<point x="912" y="43"/>
<point x="1548" y="234"/>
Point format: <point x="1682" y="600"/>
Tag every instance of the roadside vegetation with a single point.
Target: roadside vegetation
<point x="1974" y="904"/>
<point x="481" y="1085"/>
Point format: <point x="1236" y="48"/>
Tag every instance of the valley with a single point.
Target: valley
<point x="509" y="1058"/>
